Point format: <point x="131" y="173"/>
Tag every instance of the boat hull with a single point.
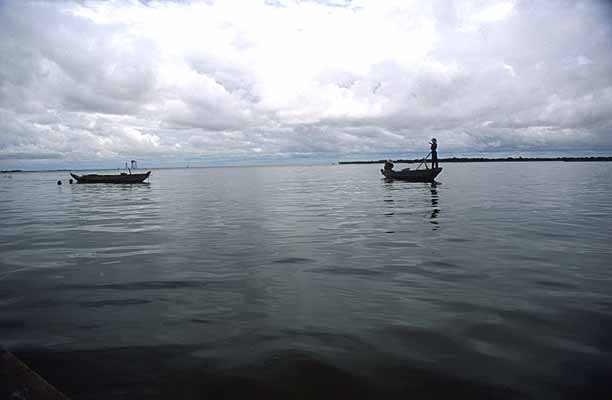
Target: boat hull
<point x="416" y="175"/>
<point x="127" y="178"/>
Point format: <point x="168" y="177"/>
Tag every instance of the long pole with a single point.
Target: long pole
<point x="424" y="161"/>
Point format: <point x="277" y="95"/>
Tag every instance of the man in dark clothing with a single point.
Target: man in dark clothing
<point x="434" y="153"/>
<point x="388" y="165"/>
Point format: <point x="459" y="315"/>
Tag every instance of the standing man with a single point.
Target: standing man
<point x="434" y="153"/>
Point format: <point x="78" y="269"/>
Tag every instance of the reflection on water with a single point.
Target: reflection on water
<point x="434" y="206"/>
<point x="416" y="193"/>
<point x="493" y="283"/>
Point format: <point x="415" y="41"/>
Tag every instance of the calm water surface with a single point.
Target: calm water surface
<point x="313" y="281"/>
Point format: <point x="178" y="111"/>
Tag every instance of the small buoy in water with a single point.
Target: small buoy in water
<point x="59" y="182"/>
<point x="70" y="181"/>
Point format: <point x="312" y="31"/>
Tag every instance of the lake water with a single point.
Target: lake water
<point x="313" y="281"/>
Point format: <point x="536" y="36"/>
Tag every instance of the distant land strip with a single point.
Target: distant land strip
<point x="483" y="159"/>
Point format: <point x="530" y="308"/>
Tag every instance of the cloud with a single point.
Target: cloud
<point x="100" y="80"/>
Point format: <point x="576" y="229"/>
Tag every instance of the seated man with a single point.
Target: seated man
<point x="388" y="165"/>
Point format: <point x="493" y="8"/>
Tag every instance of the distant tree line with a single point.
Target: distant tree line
<point x="484" y="159"/>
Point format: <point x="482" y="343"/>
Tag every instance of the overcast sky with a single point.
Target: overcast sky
<point x="220" y="79"/>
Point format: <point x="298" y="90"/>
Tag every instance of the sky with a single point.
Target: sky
<point x="93" y="82"/>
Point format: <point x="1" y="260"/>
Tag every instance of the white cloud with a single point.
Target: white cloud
<point x="494" y="12"/>
<point x="86" y="80"/>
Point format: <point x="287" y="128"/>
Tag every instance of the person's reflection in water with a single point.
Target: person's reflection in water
<point x="389" y="206"/>
<point x="434" y="207"/>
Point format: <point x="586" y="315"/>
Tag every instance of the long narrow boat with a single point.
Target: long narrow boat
<point x="415" y="175"/>
<point x="123" y="178"/>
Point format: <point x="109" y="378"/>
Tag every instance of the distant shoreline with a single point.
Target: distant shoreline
<point x="382" y="161"/>
<point x="483" y="159"/>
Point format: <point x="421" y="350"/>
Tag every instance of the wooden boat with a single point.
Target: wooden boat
<point x="123" y="178"/>
<point x="415" y="175"/>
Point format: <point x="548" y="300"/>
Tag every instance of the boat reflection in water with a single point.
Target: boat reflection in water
<point x="412" y="199"/>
